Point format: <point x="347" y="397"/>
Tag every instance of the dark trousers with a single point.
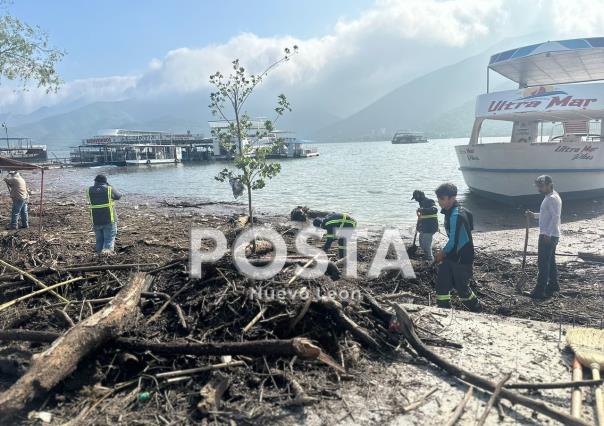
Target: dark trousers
<point x="341" y="246"/>
<point x="455" y="276"/>
<point x="547" y="279"/>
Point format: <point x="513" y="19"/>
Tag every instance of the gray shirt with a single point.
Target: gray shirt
<point x="549" y="215"/>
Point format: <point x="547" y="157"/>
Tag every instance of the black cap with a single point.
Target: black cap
<point x="317" y="222"/>
<point x="100" y="179"/>
<point x="544" y="180"/>
<point x="418" y="195"/>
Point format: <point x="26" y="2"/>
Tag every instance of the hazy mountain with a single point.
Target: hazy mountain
<point x="59" y="129"/>
<point x="440" y="103"/>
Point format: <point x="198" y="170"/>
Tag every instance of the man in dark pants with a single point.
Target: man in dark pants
<point x="332" y="223"/>
<point x="549" y="234"/>
<point x="457" y="256"/>
<point x="102" y="212"/>
<point x="427" y="222"/>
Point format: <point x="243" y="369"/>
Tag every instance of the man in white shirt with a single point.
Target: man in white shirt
<point x="549" y="234"/>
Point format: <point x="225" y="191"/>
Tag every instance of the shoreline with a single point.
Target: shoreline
<point x="150" y="233"/>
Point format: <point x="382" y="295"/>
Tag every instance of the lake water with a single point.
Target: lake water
<point x="373" y="181"/>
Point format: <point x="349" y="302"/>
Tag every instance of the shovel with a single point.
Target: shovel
<point x="526" y="237"/>
<point x="413" y="249"/>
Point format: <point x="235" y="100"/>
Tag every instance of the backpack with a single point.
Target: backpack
<point x="465" y="218"/>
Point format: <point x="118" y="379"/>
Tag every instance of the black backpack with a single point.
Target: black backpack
<point x="467" y="219"/>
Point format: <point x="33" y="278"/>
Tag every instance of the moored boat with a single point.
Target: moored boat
<point x="556" y="123"/>
<point x="406" y="137"/>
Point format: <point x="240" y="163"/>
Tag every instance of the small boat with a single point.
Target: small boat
<point x="23" y="149"/>
<point x="572" y="154"/>
<point x="405" y="137"/>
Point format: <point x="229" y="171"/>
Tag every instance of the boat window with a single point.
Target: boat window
<point x="575" y="131"/>
<point x="494" y="131"/>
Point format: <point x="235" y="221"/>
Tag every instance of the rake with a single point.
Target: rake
<point x="588" y="346"/>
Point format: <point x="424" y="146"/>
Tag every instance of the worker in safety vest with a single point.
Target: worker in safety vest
<point x="104" y="220"/>
<point x="427" y="222"/>
<point x="457" y="256"/>
<point x="332" y="223"/>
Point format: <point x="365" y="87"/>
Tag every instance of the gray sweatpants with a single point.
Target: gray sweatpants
<point x="425" y="242"/>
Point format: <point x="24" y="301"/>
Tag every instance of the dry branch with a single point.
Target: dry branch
<point x="62" y="357"/>
<point x="356" y="330"/>
<point x="29" y="277"/>
<point x="408" y="330"/>
<point x="300" y="347"/>
<point x="461" y="407"/>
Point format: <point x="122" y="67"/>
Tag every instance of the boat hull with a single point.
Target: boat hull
<point x="147" y="162"/>
<point x="507" y="171"/>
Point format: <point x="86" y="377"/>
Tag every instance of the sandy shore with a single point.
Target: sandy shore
<point x="492" y="345"/>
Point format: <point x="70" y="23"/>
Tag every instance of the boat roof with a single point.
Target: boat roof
<point x="552" y="62"/>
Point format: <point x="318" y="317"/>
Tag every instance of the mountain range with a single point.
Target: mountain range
<point x="440" y="104"/>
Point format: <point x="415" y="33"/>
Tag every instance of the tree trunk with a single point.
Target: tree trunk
<point x="61" y="359"/>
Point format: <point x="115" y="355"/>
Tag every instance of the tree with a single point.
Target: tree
<point x="227" y="103"/>
<point x="25" y="54"/>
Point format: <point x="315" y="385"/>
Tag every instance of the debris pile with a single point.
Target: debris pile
<point x="220" y="347"/>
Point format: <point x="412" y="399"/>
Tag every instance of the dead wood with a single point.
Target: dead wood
<point x="461" y="407"/>
<point x="211" y="394"/>
<point x="493" y="399"/>
<point x="408" y="330"/>
<point x="356" y="330"/>
<point x="559" y="385"/>
<point x="61" y="359"/>
<point x="142" y="267"/>
<point x="29" y="277"/>
<point x="300" y="347"/>
<point x="300" y="396"/>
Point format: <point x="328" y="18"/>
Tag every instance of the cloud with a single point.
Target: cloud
<point x="356" y="62"/>
<point x="87" y="90"/>
<point x="584" y="17"/>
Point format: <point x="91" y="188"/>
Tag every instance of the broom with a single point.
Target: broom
<point x="588" y="346"/>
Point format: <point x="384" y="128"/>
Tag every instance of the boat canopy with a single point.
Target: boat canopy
<point x="564" y="102"/>
<point x="552" y="62"/>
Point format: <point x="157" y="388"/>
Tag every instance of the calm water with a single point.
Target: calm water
<point x="373" y="181"/>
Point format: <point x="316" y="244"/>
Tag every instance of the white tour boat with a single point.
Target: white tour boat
<point x="556" y="92"/>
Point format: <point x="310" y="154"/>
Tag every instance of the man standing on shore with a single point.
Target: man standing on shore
<point x="104" y="220"/>
<point x="457" y="256"/>
<point x="17" y="189"/>
<point x="427" y="222"/>
<point x="549" y="234"/>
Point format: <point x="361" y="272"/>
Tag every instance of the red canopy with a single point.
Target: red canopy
<point x="10" y="164"/>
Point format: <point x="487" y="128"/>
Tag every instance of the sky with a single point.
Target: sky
<point x="351" y="52"/>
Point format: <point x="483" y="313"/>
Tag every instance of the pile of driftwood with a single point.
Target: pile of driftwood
<point x="160" y="344"/>
<point x="135" y="338"/>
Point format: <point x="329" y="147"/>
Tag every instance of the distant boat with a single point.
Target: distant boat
<point x="405" y="137"/>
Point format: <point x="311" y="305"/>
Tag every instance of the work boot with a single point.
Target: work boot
<point x="551" y="289"/>
<point x="10" y="227"/>
<point x="538" y="293"/>
<point x="473" y="305"/>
